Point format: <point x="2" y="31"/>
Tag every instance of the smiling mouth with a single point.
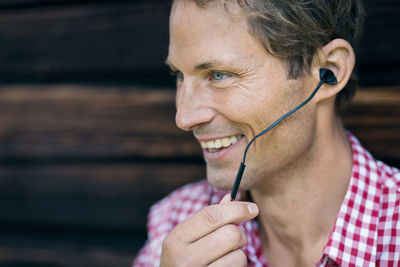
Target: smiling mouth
<point x="216" y="145"/>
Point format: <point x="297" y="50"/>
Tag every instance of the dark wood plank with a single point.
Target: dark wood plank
<point x="90" y="122"/>
<point x="23" y="4"/>
<point x="102" y="123"/>
<point x="66" y="248"/>
<point x="128" y="41"/>
<point x="93" y="40"/>
<point x="105" y="196"/>
<point x="374" y="117"/>
<point x="82" y="162"/>
<point x="81" y="165"/>
<point x="72" y="151"/>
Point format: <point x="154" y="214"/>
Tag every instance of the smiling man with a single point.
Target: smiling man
<point x="311" y="194"/>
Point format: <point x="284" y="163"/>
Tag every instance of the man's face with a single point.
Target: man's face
<point x="228" y="90"/>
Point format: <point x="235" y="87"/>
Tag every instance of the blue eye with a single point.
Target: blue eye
<point x="177" y="74"/>
<point x="180" y="75"/>
<point x="217" y="76"/>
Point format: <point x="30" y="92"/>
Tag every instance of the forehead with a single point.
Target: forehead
<point x="190" y="21"/>
<point x="214" y="31"/>
<point x="213" y="12"/>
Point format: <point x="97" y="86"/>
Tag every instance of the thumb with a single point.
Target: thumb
<point x="226" y="199"/>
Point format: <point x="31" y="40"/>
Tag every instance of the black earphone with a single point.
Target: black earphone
<point x="325" y="76"/>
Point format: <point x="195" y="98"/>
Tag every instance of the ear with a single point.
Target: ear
<point x="338" y="56"/>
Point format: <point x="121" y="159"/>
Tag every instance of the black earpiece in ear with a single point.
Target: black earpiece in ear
<point x="327" y="76"/>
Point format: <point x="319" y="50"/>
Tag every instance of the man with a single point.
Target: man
<point x="310" y="194"/>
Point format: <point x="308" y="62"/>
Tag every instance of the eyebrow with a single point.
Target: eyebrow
<point x="207" y="65"/>
<point x="203" y="66"/>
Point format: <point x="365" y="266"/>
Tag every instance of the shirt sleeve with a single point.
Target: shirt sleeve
<point x="158" y="227"/>
<point x="168" y="213"/>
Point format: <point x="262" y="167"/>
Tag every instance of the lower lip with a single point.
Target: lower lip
<point x="221" y="154"/>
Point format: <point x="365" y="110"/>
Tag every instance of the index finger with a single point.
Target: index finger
<point x="213" y="217"/>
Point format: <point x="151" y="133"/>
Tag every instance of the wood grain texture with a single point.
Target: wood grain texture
<point x="85" y="122"/>
<point x="73" y="150"/>
<point x="105" y="196"/>
<point x="85" y="162"/>
<point x="374" y="117"/>
<point x="67" y="248"/>
<point x="81" y="164"/>
<point x="48" y="41"/>
<point x="95" y="123"/>
<point x="85" y="40"/>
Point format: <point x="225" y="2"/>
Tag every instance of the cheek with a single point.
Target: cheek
<point x="284" y="145"/>
<point x="251" y="104"/>
<point x="242" y="105"/>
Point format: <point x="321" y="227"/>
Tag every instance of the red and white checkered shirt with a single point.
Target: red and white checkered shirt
<point x="366" y="231"/>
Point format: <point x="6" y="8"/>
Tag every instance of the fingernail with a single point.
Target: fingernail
<point x="226" y="198"/>
<point x="253" y="209"/>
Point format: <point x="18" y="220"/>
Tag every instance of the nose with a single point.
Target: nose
<point x="192" y="106"/>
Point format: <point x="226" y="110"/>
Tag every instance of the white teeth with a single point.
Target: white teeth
<point x="226" y="142"/>
<point x="218" y="143"/>
<point x="210" y="144"/>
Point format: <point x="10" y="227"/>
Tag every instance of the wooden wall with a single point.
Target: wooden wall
<point x="87" y="134"/>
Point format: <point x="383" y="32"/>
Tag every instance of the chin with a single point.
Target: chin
<point x="221" y="179"/>
<point x="224" y="179"/>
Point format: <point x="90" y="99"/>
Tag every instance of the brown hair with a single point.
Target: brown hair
<point x="294" y="30"/>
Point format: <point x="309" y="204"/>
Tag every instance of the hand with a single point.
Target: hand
<point x="209" y="238"/>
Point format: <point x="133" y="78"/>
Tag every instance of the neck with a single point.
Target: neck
<point x="296" y="219"/>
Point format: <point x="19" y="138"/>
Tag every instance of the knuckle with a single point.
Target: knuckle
<point x="166" y="247"/>
<point x="211" y="216"/>
<point x="241" y="258"/>
<point x="169" y="244"/>
<point x="236" y="235"/>
<point x="171" y="252"/>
